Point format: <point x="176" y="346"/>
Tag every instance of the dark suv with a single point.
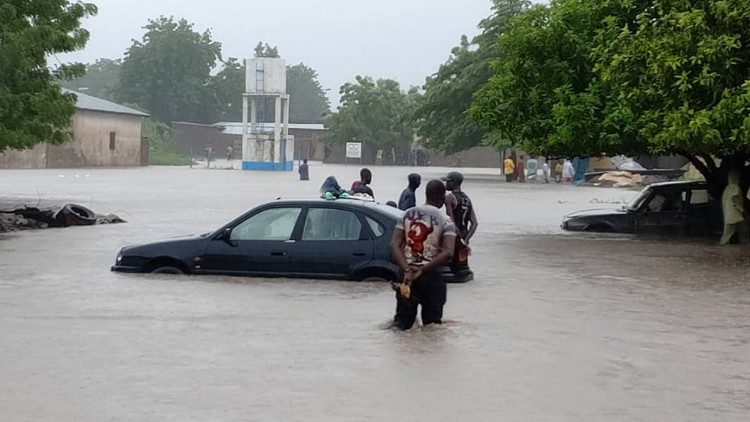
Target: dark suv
<point x="660" y="208"/>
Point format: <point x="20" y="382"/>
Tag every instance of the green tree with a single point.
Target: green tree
<point x="101" y="79"/>
<point x="545" y="96"/>
<point x="308" y="102"/>
<point x="441" y="113"/>
<point x="227" y="87"/>
<point x="168" y="72"/>
<point x="265" y="50"/>
<point x="680" y="70"/>
<point x="32" y="107"/>
<point x="371" y="112"/>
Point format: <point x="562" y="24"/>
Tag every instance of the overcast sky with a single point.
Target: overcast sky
<point x="401" y="39"/>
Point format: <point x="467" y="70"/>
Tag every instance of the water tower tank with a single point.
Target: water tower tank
<point x="265" y="76"/>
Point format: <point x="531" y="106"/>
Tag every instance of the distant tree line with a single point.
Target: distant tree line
<point x="169" y="74"/>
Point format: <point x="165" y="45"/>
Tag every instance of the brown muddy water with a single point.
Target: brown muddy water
<point x="555" y="327"/>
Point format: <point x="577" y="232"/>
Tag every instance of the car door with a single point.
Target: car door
<point x="334" y="243"/>
<point x="665" y="212"/>
<point x="261" y="244"/>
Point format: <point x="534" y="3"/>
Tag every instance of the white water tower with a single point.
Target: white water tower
<point x="265" y="78"/>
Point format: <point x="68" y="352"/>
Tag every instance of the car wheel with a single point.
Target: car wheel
<point x="167" y="270"/>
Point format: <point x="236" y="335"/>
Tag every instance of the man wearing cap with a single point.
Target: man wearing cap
<point x="459" y="208"/>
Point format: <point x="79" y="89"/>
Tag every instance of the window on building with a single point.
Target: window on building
<point x="112" y="136"/>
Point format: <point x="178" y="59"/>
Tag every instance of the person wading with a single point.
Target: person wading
<point x="408" y="196"/>
<point x="459" y="208"/>
<point x="304" y="171"/>
<point x="422" y="244"/>
<point x="509" y="168"/>
<point x="363" y="184"/>
<point x="733" y="207"/>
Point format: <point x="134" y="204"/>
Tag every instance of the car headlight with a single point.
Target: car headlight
<point x="119" y="258"/>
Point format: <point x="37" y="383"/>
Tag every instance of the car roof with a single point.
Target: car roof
<point x="680" y="184"/>
<point x="348" y="202"/>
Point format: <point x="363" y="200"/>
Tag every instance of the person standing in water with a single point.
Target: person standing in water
<point x="422" y="243"/>
<point x="408" y="197"/>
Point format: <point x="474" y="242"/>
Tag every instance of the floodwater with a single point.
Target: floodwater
<point x="556" y="326"/>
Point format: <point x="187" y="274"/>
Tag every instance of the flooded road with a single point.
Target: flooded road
<point x="555" y="326"/>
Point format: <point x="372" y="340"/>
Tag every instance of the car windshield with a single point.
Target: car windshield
<point x="636" y="203"/>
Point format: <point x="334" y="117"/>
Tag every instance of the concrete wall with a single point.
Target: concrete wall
<point x="34" y="158"/>
<point x="90" y="146"/>
<point x="196" y="137"/>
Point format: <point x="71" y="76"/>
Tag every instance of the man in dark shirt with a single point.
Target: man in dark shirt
<point x="304" y="171"/>
<point x="459" y="208"/>
<point x="408" y="196"/>
<point x="362" y="185"/>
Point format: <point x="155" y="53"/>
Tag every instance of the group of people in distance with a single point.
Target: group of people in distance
<point x="524" y="169"/>
<point x="425" y="240"/>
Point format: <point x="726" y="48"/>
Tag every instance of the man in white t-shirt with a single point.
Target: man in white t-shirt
<point x="422" y="244"/>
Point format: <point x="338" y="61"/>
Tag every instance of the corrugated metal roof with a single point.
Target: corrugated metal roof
<point x="235" y="128"/>
<point x="87" y="102"/>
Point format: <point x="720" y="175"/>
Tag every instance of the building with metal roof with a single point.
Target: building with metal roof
<point x="105" y="134"/>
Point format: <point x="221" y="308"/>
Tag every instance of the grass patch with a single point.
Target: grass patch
<point x="161" y="150"/>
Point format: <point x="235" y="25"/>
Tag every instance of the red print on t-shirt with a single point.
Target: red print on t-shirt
<point x="418" y="233"/>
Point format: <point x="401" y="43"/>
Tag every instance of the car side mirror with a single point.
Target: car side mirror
<point x="225" y="234"/>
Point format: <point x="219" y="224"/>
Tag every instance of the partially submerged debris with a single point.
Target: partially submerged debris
<point x="28" y="218"/>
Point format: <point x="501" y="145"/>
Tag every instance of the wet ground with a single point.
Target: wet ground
<point x="555" y="326"/>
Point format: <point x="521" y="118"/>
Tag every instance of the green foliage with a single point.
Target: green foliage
<point x="308" y="102"/>
<point x="265" y="50"/>
<point x="161" y="151"/>
<point x="545" y="96"/>
<point x="101" y="79"/>
<point x="440" y="114"/>
<point x="370" y="112"/>
<point x="32" y="107"/>
<point x="227" y="87"/>
<point x="168" y="72"/>
<point x="681" y="70"/>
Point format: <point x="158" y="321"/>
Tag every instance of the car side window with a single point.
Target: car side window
<point x="331" y="224"/>
<point x="270" y="224"/>
<point x="377" y="228"/>
<point x="699" y="196"/>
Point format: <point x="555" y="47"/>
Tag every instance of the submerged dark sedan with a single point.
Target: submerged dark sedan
<point x="313" y="238"/>
<point x="660" y="208"/>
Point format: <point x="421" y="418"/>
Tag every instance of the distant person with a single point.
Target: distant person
<point x="422" y="244"/>
<point x="545" y="172"/>
<point x="509" y="168"/>
<point x="568" y="172"/>
<point x="304" y="170"/>
<point x="408" y="197"/>
<point x="733" y="207"/>
<point x="230" y="152"/>
<point x="379" y="158"/>
<point x="459" y="208"/>
<point x="521" y="170"/>
<point x="363" y="184"/>
<point x="558" y="172"/>
<point x="531" y="169"/>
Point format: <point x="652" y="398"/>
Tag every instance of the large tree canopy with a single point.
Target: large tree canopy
<point x="440" y="114"/>
<point x="32" y="107"/>
<point x="168" y="71"/>
<point x="370" y="112"/>
<point x="583" y="77"/>
<point x="682" y="71"/>
<point x="101" y="79"/>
